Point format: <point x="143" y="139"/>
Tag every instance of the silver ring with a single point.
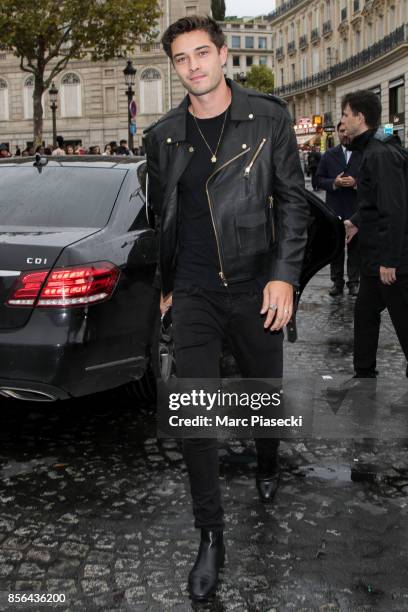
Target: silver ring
<point x="286" y="310"/>
<point x="273" y="307"/>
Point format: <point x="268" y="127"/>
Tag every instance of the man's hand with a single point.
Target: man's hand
<point x="165" y="303"/>
<point x="277" y="304"/>
<point x="388" y="275"/>
<point x="351" y="230"/>
<point x="344" y="181"/>
<point x="349" y="181"/>
<point x="338" y="181"/>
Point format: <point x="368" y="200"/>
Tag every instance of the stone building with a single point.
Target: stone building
<point x="326" y="48"/>
<point x="92" y="103"/>
<point x="250" y="44"/>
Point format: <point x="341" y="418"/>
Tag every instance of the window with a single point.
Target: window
<point x="282" y="79"/>
<point x="263" y="60"/>
<point x="110" y="100"/>
<point x="304" y="25"/>
<point x="191" y="10"/>
<point x="71" y="96"/>
<point x="28" y="200"/>
<point x="397" y="101"/>
<point x="249" y="42"/>
<point x="261" y="42"/>
<point x="4" y="107"/>
<point x="391" y="14"/>
<point x="28" y="97"/>
<point x="303" y="67"/>
<point x="236" y="42"/>
<point x="151" y="95"/>
<point x="280" y="38"/>
<point x="249" y="60"/>
<point x="380" y="27"/>
<point x="327" y="10"/>
<point x="109" y="72"/>
<point x="292" y="32"/>
<point x="236" y="61"/>
<point x="344" y="49"/>
<point x="357" y="42"/>
<point x="369" y="34"/>
<point x="315" y="61"/>
<point x="293" y="72"/>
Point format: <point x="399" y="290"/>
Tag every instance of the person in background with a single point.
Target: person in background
<point x="312" y="163"/>
<point x="123" y="148"/>
<point x="18" y="151"/>
<point x="381" y="222"/>
<point x="337" y="175"/>
<point x="108" y="149"/>
<point x="69" y="149"/>
<point x="4" y="152"/>
<point x="59" y="150"/>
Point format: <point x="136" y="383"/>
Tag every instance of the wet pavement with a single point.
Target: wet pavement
<point x="93" y="506"/>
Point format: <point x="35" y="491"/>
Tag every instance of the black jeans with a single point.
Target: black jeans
<point x="353" y="265"/>
<point x="202" y="321"/>
<point x="373" y="298"/>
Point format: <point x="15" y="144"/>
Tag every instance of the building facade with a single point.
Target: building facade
<point x="92" y="102"/>
<point x="326" y="48"/>
<point x="250" y="44"/>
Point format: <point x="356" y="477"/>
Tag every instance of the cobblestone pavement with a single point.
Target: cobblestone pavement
<point x="92" y="505"/>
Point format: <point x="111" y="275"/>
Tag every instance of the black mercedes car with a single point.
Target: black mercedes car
<point x="78" y="251"/>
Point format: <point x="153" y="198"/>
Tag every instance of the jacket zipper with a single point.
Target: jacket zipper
<point x="251" y="163"/>
<point x="221" y="272"/>
<point x="272" y="217"/>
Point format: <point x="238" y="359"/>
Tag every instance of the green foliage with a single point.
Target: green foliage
<point x="46" y="35"/>
<point x="260" y="78"/>
<point x="218" y="9"/>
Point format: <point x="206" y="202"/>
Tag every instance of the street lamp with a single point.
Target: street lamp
<point x="53" y="93"/>
<point x="130" y="74"/>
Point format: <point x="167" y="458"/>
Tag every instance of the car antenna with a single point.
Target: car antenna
<point x="40" y="161"/>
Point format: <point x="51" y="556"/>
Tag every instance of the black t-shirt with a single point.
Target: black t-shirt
<point x="198" y="260"/>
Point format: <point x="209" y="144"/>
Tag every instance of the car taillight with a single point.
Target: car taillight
<point x="74" y="286"/>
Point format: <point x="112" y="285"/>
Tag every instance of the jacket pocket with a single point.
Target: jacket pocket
<point x="252" y="233"/>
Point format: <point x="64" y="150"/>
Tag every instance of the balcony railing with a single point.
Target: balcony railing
<point x="291" y="47"/>
<point x="327" y="27"/>
<point x="356" y="5"/>
<point x="279" y="53"/>
<point x="314" y="36"/>
<point x="303" y="42"/>
<point x="286" y="6"/>
<point x="343" y="14"/>
<point x="377" y="50"/>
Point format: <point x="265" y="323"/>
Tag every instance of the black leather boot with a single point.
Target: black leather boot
<point x="203" y="578"/>
<point x="267" y="486"/>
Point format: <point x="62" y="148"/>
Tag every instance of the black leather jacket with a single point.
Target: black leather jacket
<point x="255" y="193"/>
<point x="382" y="203"/>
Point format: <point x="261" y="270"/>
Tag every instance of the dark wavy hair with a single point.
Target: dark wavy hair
<point x="365" y="102"/>
<point x="190" y="24"/>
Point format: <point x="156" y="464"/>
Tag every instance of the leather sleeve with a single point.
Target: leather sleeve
<point x="155" y="191"/>
<point x="389" y="168"/>
<point x="292" y="210"/>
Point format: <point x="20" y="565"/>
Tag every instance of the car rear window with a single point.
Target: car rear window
<point x="58" y="196"/>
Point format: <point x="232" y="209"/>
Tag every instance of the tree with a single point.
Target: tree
<point x="260" y="78"/>
<point x="218" y="9"/>
<point x="46" y="35"/>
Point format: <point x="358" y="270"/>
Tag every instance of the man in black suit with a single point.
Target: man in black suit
<point x="337" y="174"/>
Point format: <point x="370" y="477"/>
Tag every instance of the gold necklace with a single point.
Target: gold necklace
<point x="213" y="153"/>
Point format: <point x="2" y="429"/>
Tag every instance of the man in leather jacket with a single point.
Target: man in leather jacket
<point x="226" y="183"/>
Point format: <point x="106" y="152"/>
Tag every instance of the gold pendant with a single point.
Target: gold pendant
<point x="213" y="159"/>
